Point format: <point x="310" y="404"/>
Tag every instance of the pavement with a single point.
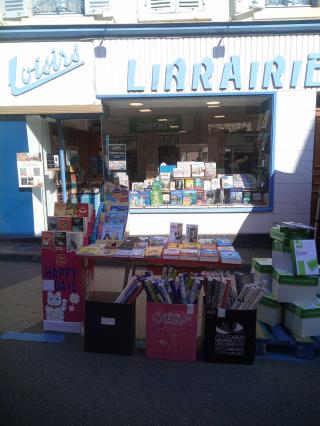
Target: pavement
<point x="61" y="384"/>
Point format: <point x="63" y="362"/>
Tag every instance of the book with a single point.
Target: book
<point x="225" y="248"/>
<point x="127" y="245"/>
<point x="178" y="172"/>
<point x="226" y="181"/>
<point x="208" y="255"/>
<point x="176" y="198"/>
<point x="83" y="210"/>
<point x="215" y="183"/>
<point x="200" y="198"/>
<point x="175" y="232"/>
<point x="171" y="253"/>
<point x="60" y="239"/>
<point x="166" y="198"/>
<point x="153" y="251"/>
<point x="230" y="257"/>
<point x="173" y="245"/>
<point x="197" y="169"/>
<point x="224" y="242"/>
<point x="112" y="231"/>
<point x="156" y="196"/>
<point x="123" y="253"/>
<point x="59" y="209"/>
<point x="207" y="185"/>
<point x="198" y="183"/>
<point x="140" y="244"/>
<point x="71" y="208"/>
<point x="235" y="195"/>
<point x="74" y="241"/>
<point x="137" y="186"/>
<point x="158" y="241"/>
<point x="210" y="169"/>
<point x="79" y="224"/>
<point x="92" y="249"/>
<point x="208" y="246"/>
<point x="52" y="222"/>
<point x="179" y="184"/>
<point x="189" y="254"/>
<point x="189" y="198"/>
<point x="47" y="240"/>
<point x="137" y="252"/>
<point x="188" y="184"/>
<point x="191" y="233"/>
<point x="64" y="223"/>
<point x="304" y="254"/>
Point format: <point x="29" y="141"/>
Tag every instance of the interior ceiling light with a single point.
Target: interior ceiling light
<point x="213" y="103"/>
<point x="214" y="106"/>
<point x="219" y="116"/>
<point x="136" y="104"/>
<point x="162" y="119"/>
<point x="182" y="131"/>
<point x="145" y="110"/>
<point x="174" y="127"/>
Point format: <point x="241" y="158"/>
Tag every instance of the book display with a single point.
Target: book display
<point x="192" y="183"/>
<point x="62" y="285"/>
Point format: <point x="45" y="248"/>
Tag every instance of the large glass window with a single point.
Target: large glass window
<point x="200" y="153"/>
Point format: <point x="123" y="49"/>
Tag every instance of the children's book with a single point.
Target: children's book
<point x="47" y="240"/>
<point x="83" y="210"/>
<point x="210" y="169"/>
<point x="189" y="254"/>
<point x="71" y="208"/>
<point x="230" y="257"/>
<point x="197" y="169"/>
<point x="191" y="233"/>
<point x="74" y="241"/>
<point x="171" y="253"/>
<point x="226" y="181"/>
<point x="189" y="198"/>
<point x="176" y="198"/>
<point x="188" y="184"/>
<point x="59" y="209"/>
<point x="166" y="198"/>
<point x="79" y="224"/>
<point x="175" y="232"/>
<point x="60" y="239"/>
<point x="112" y="231"/>
<point x="52" y="223"/>
<point x="209" y="255"/>
<point x="153" y="251"/>
<point x="137" y="252"/>
<point x="64" y="223"/>
<point x="179" y="184"/>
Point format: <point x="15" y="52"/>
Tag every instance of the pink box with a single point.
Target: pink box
<point x="171" y="331"/>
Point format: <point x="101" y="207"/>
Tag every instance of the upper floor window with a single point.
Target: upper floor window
<point x="13" y="9"/>
<point x="49" y="7"/>
<point x="170" y="6"/>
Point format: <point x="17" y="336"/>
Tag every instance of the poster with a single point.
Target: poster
<point x="29" y="170"/>
<point x="117" y="157"/>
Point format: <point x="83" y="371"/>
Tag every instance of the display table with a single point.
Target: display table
<point x="88" y="261"/>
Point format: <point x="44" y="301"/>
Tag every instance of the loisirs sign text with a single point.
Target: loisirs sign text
<point x="268" y="75"/>
<point x="41" y="70"/>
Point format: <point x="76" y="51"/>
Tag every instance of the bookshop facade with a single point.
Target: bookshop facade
<point x="212" y="130"/>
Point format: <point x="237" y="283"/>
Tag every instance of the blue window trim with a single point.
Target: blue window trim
<point x="186" y="210"/>
<point x="102" y="31"/>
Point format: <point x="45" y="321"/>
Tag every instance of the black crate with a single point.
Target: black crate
<point x="229" y="336"/>
<point x="109" y="327"/>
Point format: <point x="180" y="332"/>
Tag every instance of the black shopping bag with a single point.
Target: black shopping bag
<point x="229" y="336"/>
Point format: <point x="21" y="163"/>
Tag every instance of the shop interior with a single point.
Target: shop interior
<point x="230" y="134"/>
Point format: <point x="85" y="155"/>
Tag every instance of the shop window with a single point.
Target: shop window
<point x="49" y="7"/>
<point x="220" y="156"/>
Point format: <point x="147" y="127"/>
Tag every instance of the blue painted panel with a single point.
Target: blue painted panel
<point x="16" y="211"/>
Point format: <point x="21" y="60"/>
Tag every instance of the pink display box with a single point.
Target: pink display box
<point x="171" y="331"/>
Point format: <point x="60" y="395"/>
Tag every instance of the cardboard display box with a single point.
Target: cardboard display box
<point x="229" y="336"/>
<point x="303" y="320"/>
<point x="171" y="331"/>
<point x="290" y="288"/>
<point x="109" y="327"/>
<point x="269" y="310"/>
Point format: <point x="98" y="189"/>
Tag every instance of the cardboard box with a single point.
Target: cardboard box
<point x="230" y="336"/>
<point x="269" y="310"/>
<point x="262" y="269"/>
<point x="303" y="319"/>
<point x="281" y="257"/>
<point x="171" y="331"/>
<point x="109" y="327"/>
<point x="304" y="255"/>
<point x="290" y="288"/>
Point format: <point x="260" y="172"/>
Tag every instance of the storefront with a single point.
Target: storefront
<point x="212" y="130"/>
